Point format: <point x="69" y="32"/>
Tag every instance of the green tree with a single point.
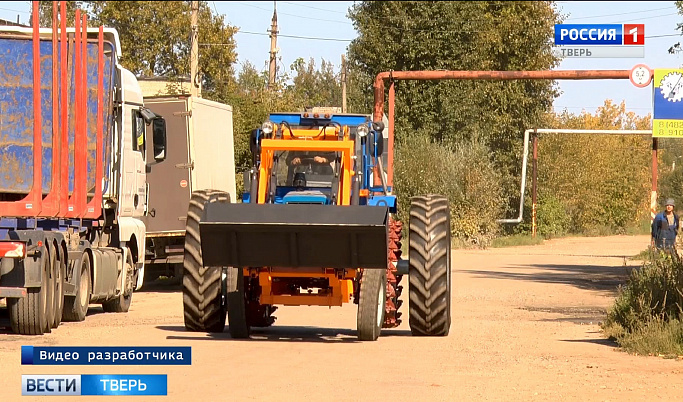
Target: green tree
<point x="155" y="39"/>
<point x="602" y="181"/>
<point x="315" y="87"/>
<point x="497" y="35"/>
<point x="45" y="9"/>
<point x="416" y="35"/>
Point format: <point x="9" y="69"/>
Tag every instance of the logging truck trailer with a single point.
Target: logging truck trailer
<point x="200" y="156"/>
<point x="72" y="174"/>
<point x="316" y="227"/>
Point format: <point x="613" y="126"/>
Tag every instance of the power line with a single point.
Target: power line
<point x="595" y="107"/>
<point x="423" y="30"/>
<point x="280" y="35"/>
<point x="314" y="8"/>
<point x="614" y="15"/>
<point x="16" y="11"/>
<point x="350" y="40"/>
<point x="294" y="15"/>
<point x="662" y="36"/>
<point x="645" y="18"/>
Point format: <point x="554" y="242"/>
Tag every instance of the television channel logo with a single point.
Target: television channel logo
<point x="600" y="40"/>
<point x="93" y="384"/>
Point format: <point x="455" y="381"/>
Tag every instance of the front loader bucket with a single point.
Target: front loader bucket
<point x="294" y="235"/>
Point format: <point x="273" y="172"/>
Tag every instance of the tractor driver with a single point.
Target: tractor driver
<point x="321" y="162"/>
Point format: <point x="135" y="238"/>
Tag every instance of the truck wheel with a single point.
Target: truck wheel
<point x="76" y="307"/>
<point x="28" y="315"/>
<point x="60" y="272"/>
<point x="373" y="297"/>
<point x="121" y="304"/>
<point x="237" y="305"/>
<point x="50" y="306"/>
<point x="203" y="305"/>
<point x="430" y="266"/>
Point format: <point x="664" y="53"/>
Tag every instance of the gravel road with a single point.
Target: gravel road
<point x="525" y="327"/>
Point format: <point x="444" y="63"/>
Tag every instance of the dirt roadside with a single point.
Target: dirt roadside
<point x="525" y="327"/>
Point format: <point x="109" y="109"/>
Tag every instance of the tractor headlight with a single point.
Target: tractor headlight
<point x="362" y="130"/>
<point x="267" y="127"/>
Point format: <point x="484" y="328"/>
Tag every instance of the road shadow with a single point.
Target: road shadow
<point x="172" y="285"/>
<point x="597" y="341"/>
<point x="588" y="277"/>
<point x="94" y="309"/>
<point x="281" y="334"/>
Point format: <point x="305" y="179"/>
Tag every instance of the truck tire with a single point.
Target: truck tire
<point x="429" y="266"/>
<point x="50" y="305"/>
<point x="204" y="308"/>
<point x="28" y="315"/>
<point x="373" y="297"/>
<point x="121" y="304"/>
<point x="76" y="307"/>
<point x="60" y="272"/>
<point x="237" y="304"/>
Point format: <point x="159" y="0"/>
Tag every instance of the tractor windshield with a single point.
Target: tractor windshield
<point x="317" y="167"/>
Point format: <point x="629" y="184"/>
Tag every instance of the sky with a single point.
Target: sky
<point x="321" y="30"/>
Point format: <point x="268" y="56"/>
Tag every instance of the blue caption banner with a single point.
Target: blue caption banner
<point x="588" y="34"/>
<point x="94" y="384"/>
<point x="106" y="355"/>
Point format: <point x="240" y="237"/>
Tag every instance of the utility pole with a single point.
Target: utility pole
<point x="343" y="83"/>
<point x="273" y="48"/>
<point x="194" y="52"/>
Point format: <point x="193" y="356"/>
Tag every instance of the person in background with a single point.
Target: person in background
<point x="665" y="227"/>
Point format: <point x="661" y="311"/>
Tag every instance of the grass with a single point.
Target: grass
<point x="647" y="314"/>
<point x="516" y="240"/>
<point x="658" y="337"/>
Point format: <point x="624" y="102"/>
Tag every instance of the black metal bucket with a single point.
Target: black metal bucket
<point x="294" y="235"/>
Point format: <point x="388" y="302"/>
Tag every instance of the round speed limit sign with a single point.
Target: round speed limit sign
<point x="641" y="75"/>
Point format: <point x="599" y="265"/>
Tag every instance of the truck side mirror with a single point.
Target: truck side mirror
<point x="159" y="138"/>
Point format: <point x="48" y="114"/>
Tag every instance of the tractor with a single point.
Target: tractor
<point x="315" y="227"/>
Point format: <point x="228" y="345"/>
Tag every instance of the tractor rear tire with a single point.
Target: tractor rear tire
<point x="237" y="304"/>
<point x="28" y="315"/>
<point x="76" y="307"/>
<point x="373" y="297"/>
<point x="203" y="304"/>
<point x="430" y="266"/>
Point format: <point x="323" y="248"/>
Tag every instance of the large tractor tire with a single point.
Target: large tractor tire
<point x="237" y="304"/>
<point x="430" y="266"/>
<point x="203" y="302"/>
<point x="371" y="305"/>
<point x="121" y="304"/>
<point x="28" y="315"/>
<point x="76" y="307"/>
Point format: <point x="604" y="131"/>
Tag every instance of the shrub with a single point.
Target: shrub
<point x="463" y="173"/>
<point x="653" y="291"/>
<point x="552" y="220"/>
